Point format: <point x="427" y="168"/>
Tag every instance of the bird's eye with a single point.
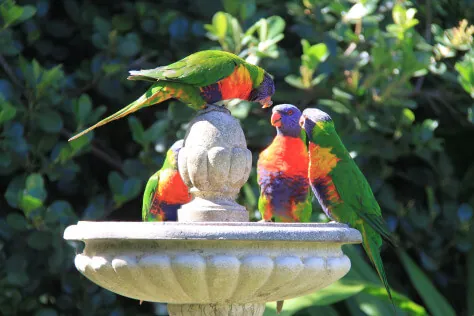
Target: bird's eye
<point x="290" y="112"/>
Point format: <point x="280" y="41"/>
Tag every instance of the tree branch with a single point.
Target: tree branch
<point x="9" y="71"/>
<point x="99" y="153"/>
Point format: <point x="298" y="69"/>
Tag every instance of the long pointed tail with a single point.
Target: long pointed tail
<point x="372" y="248"/>
<point x="157" y="93"/>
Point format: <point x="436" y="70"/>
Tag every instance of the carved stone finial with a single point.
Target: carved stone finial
<point x="214" y="163"/>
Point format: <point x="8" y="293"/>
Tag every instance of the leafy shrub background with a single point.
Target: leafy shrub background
<point x="397" y="76"/>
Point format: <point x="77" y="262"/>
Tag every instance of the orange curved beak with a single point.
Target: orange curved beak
<point x="266" y="103"/>
<point x="276" y="119"/>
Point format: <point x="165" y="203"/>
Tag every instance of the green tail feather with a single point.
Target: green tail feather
<point x="150" y="97"/>
<point x="159" y="92"/>
<point x="372" y="242"/>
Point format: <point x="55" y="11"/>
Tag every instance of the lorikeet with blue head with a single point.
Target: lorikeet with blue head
<point x="341" y="188"/>
<point x="202" y="78"/>
<point x="165" y="191"/>
<point x="282" y="170"/>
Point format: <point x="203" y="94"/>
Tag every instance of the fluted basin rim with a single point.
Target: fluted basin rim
<point x="257" y="231"/>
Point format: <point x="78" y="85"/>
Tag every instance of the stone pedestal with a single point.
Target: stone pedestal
<point x="214" y="163"/>
<point x="213" y="261"/>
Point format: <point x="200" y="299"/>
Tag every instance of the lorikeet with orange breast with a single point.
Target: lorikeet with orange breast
<point x="283" y="170"/>
<point x="341" y="188"/>
<point x="205" y="77"/>
<point x="165" y="191"/>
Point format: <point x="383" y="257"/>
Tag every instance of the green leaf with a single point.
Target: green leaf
<point x="249" y="194"/>
<point x="138" y="132"/>
<point x="334" y="293"/>
<point x="7" y="111"/>
<point x="318" y="52"/>
<point x="60" y="212"/>
<point x="318" y="80"/>
<point x="276" y="26"/>
<point x="295" y="81"/>
<point x="39" y="240"/>
<point x="129" y="46"/>
<point x="401" y="301"/>
<point x="360" y="10"/>
<point x="50" y="121"/>
<point x="336" y="106"/>
<point x="247" y="8"/>
<point x="231" y="6"/>
<point x="47" y="78"/>
<point x="408" y="117"/>
<point x="240" y="109"/>
<point x="399" y="14"/>
<point x="373" y="307"/>
<point x="28" y="12"/>
<point x="360" y="270"/>
<point x="219" y="22"/>
<point x="156" y="131"/>
<point x="17" y="221"/>
<point x="82" y="109"/>
<point x="435" y="302"/>
<point x="10" y="12"/>
<point x="79" y="143"/>
<point x="115" y="182"/>
<point x="124" y="190"/>
<point x="131" y="188"/>
<point x="34" y="194"/>
<point x="14" y="191"/>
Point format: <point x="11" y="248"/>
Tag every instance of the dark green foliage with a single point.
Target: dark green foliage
<point x="398" y="81"/>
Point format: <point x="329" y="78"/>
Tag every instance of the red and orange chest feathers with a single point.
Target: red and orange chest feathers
<point x="171" y="188"/>
<point x="322" y="162"/>
<point x="236" y="86"/>
<point x="288" y="155"/>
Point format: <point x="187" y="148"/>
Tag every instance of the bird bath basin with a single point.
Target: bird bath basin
<point x="213" y="262"/>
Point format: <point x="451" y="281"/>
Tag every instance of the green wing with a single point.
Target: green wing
<point x="355" y="191"/>
<point x="199" y="69"/>
<point x="148" y="196"/>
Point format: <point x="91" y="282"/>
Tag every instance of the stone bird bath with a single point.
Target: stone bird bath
<point x="213" y="261"/>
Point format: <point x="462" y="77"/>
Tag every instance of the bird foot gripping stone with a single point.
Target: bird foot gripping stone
<point x="214" y="163"/>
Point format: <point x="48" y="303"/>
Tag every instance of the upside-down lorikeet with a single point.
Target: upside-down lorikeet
<point x="165" y="191"/>
<point x="205" y="77"/>
<point x="282" y="170"/>
<point x="341" y="188"/>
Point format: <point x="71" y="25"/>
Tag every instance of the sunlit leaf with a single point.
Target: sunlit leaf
<point x="435" y="302"/>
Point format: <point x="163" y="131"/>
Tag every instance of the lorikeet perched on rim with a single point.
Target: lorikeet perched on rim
<point x="282" y="170"/>
<point x="205" y="77"/>
<point x="165" y="191"/>
<point x="341" y="188"/>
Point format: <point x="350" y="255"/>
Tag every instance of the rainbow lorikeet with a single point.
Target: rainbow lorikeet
<point x="282" y="170"/>
<point x="341" y="188"/>
<point x="165" y="191"/>
<point x="205" y="77"/>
